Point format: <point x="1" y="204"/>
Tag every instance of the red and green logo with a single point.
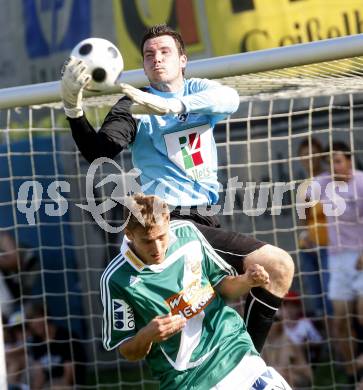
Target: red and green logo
<point x="190" y="147"/>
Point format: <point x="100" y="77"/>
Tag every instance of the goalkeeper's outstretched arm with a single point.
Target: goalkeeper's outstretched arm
<point x="119" y="127"/>
<point x="207" y="97"/>
<point x="117" y="132"/>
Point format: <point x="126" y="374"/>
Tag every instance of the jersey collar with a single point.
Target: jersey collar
<point x="130" y="256"/>
<point x="168" y="95"/>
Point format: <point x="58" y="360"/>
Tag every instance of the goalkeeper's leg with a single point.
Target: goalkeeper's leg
<point x="262" y="304"/>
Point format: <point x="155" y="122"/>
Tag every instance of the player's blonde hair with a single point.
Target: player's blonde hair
<point x="146" y="211"/>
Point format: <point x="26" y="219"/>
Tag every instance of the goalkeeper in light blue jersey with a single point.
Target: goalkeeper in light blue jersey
<point x="163" y="300"/>
<point x="168" y="126"/>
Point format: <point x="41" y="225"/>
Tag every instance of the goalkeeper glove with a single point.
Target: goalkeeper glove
<point x="74" y="79"/>
<point x="145" y="103"/>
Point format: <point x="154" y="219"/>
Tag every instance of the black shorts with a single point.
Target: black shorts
<point x="233" y="247"/>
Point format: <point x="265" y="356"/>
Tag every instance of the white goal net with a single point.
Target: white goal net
<point x="52" y="252"/>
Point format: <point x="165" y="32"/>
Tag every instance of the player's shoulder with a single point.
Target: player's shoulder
<point x="117" y="268"/>
<point x="183" y="229"/>
<point x="195" y="84"/>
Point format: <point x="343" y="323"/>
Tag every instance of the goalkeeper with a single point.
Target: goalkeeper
<point x="172" y="144"/>
<point x="162" y="300"/>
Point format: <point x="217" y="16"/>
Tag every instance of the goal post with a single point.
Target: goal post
<point x="3" y="382"/>
<point x="288" y="96"/>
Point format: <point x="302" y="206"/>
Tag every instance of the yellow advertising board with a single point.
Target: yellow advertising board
<point x="133" y="17"/>
<point x="234" y="26"/>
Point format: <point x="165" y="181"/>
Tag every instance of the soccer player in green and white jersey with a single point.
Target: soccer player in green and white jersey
<point x="163" y="301"/>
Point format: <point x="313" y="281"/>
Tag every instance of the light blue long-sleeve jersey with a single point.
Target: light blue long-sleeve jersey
<point x="177" y="154"/>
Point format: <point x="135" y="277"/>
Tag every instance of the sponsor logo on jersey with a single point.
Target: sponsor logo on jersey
<point x="122" y="315"/>
<point x="192" y="300"/>
<point x="190" y="147"/>
<point x="183" y="117"/>
<point x="191" y="151"/>
<point x="134" y="280"/>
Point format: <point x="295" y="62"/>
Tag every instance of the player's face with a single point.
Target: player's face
<point x="150" y="245"/>
<point x="342" y="166"/>
<point x="163" y="64"/>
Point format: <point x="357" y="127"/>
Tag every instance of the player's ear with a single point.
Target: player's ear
<point x="129" y="234"/>
<point x="183" y="61"/>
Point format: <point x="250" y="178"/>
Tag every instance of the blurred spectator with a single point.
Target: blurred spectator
<point x="18" y="268"/>
<point x="15" y="353"/>
<point x="343" y="203"/>
<point x="8" y="264"/>
<point x="314" y="239"/>
<point x="298" y="328"/>
<point x="21" y="279"/>
<point x="55" y="355"/>
<point x="288" y="342"/>
<point x="359" y="364"/>
<point x="20" y="276"/>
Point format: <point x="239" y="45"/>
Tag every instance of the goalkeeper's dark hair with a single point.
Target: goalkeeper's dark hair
<point x="145" y="211"/>
<point x="162" y="29"/>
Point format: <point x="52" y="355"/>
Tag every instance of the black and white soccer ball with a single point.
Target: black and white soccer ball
<point x="103" y="60"/>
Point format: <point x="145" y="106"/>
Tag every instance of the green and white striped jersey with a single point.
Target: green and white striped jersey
<point x="214" y="339"/>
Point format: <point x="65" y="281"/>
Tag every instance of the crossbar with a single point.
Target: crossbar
<point x="216" y="67"/>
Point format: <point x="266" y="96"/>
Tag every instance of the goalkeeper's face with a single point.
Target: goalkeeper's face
<point x="163" y="64"/>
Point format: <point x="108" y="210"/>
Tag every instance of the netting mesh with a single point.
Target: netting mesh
<point x="53" y="252"/>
